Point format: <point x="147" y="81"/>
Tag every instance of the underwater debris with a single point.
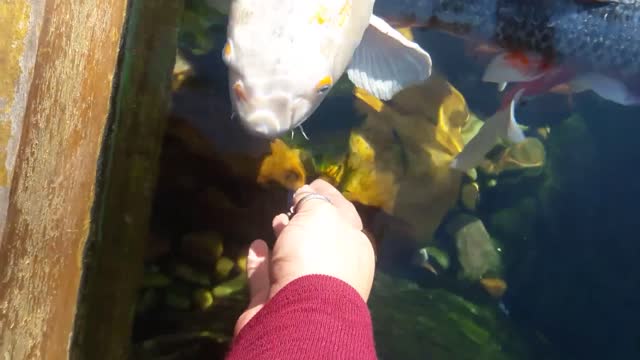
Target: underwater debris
<point x="543" y="132"/>
<point x="494" y="286"/>
<point x="415" y="136"/>
<point x="527" y="157"/>
<point x="283" y="166"/>
<point x="424" y="255"/>
<point x="181" y="71"/>
<point x="364" y="182"/>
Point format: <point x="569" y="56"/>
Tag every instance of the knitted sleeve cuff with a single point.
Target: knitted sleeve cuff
<point x="312" y="317"/>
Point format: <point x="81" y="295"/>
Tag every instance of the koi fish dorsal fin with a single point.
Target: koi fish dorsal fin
<point x="386" y="62"/>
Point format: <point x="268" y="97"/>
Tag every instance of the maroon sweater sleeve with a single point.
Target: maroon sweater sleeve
<point x="312" y="317"/>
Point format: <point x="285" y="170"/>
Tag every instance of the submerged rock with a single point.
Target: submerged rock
<point x="477" y="254"/>
<point x="205" y="247"/>
<point x="411" y="322"/>
<point x="470" y="196"/>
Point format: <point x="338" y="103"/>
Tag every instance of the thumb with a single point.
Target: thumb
<point x="259" y="281"/>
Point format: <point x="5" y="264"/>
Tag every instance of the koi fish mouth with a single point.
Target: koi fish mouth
<point x="273" y="115"/>
<point x="263" y="122"/>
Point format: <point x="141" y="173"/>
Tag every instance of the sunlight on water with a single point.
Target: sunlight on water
<point x="533" y="254"/>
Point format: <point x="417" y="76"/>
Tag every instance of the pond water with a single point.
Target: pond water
<point x="533" y="255"/>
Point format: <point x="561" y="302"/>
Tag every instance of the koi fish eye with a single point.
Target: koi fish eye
<point x="324" y="84"/>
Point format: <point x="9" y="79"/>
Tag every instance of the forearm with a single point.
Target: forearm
<point x="313" y="317"/>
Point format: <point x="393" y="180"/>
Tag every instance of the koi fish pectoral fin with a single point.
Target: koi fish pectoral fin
<point x="386" y="62"/>
<point x="501" y="125"/>
<point x="606" y="87"/>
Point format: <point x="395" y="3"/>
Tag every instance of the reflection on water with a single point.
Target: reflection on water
<point x="533" y="255"/>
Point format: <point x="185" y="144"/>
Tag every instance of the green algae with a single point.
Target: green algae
<point x="411" y="322"/>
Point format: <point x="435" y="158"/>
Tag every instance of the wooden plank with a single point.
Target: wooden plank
<point x="84" y="172"/>
<point x="129" y="173"/>
<point x="20" y="21"/>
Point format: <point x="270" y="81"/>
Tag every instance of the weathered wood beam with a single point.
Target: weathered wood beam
<point x="20" y="21"/>
<point x="80" y="191"/>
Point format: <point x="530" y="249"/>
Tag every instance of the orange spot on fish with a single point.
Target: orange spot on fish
<point x="239" y="92"/>
<point x="320" y="16"/>
<point x="227" y="49"/>
<point x="344" y="12"/>
<point x="333" y="15"/>
<point x="325" y="82"/>
<point x="521" y="61"/>
<point x="517" y="58"/>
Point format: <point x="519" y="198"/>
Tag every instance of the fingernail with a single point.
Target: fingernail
<point x="251" y="255"/>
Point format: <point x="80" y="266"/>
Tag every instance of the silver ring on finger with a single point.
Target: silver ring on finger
<point x="294" y="209"/>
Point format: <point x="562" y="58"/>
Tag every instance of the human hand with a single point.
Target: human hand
<point x="321" y="238"/>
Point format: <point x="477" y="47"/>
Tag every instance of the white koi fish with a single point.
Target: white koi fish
<point x="284" y="56"/>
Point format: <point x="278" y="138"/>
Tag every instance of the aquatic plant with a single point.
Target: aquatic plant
<point x="412" y="322"/>
<point x="283" y="166"/>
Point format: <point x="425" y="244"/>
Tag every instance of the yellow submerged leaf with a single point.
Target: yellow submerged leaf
<point x="362" y="94"/>
<point x="361" y="153"/>
<point x="452" y="115"/>
<point x="406" y="32"/>
<point x="332" y="173"/>
<point x="283" y="166"/>
<point x="414" y="139"/>
<point x="365" y="183"/>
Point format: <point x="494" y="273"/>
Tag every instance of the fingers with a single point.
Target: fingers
<point x="258" y="268"/>
<point x="259" y="281"/>
<point x="344" y="206"/>
<point x="278" y="224"/>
